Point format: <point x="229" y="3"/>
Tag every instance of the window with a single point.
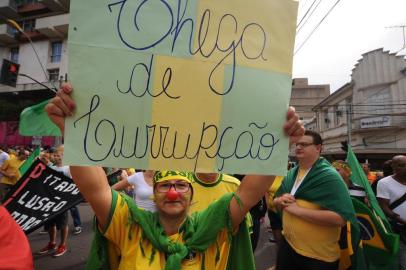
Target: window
<point x="14" y="54"/>
<point x="56" y="52"/>
<point x="53" y="74"/>
<point x="326" y="120"/>
<point x="28" y="25"/>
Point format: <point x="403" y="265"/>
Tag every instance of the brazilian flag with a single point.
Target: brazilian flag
<point x="34" y="121"/>
<point x="27" y="163"/>
<point x="379" y="244"/>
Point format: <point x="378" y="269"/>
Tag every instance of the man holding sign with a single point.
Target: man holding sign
<point x="171" y="239"/>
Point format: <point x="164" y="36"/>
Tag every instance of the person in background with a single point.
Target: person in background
<point x="10" y="172"/>
<point x="366" y="167"/>
<point x="315" y="205"/>
<point x="275" y="220"/>
<point x="391" y="194"/>
<point x="142" y="188"/>
<point x="386" y="171"/>
<point x="60" y="222"/>
<point x="3" y="157"/>
<point x="44" y="156"/>
<point x="356" y="191"/>
<point x="130" y="171"/>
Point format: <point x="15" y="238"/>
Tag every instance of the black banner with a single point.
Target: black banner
<point x="39" y="195"/>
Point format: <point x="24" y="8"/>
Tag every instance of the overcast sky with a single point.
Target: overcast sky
<point x="353" y="27"/>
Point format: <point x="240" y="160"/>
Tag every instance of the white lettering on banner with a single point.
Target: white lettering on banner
<point x="61" y="186"/>
<point x="30" y="223"/>
<point x="23" y="222"/>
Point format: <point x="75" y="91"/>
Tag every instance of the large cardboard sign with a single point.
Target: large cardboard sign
<point x="194" y="85"/>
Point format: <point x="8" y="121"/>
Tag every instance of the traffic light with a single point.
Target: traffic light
<point x="344" y="146"/>
<point x="9" y="73"/>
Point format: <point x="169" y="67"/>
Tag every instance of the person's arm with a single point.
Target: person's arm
<point x="383" y="196"/>
<point x="250" y="192"/>
<point x="320" y="217"/>
<point x="121" y="185"/>
<point x="283" y="201"/>
<point x="384" y="204"/>
<point x="91" y="181"/>
<point x="253" y="187"/>
<point x="3" y="169"/>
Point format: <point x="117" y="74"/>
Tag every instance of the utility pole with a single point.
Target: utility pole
<point x="349" y="123"/>
<point x="404" y="33"/>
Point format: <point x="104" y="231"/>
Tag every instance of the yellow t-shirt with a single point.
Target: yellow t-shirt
<point x="309" y="239"/>
<point x="132" y="257"/>
<point x="206" y="193"/>
<point x="11" y="166"/>
<point x="272" y="190"/>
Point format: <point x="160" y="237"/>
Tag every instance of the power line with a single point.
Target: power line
<point x="304" y="16"/>
<point x="328" y="12"/>
<point x="308" y="18"/>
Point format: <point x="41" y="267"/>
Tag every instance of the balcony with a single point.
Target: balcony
<point x="7" y="35"/>
<point x="8" y="8"/>
<point x="54" y="26"/>
<point x="34" y="35"/>
<point x="56" y="5"/>
<point x="32" y="9"/>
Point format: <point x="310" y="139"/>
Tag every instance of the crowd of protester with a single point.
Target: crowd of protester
<point x="203" y="216"/>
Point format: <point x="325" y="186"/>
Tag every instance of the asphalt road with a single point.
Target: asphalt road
<point x="79" y="245"/>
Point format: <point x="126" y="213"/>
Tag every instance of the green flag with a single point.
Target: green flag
<point x="34" y="121"/>
<point x="380" y="244"/>
<point x="27" y="163"/>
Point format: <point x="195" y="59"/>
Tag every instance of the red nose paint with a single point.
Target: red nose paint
<point x="172" y="194"/>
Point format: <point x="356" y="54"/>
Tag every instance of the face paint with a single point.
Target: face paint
<point x="187" y="196"/>
<point x="172" y="194"/>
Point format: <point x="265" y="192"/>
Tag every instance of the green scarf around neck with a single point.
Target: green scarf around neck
<point x="199" y="232"/>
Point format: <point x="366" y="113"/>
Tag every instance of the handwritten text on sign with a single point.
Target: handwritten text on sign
<point x="193" y="85"/>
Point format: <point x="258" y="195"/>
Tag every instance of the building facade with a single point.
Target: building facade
<point x="304" y="97"/>
<point x="42" y="64"/>
<point x="374" y="104"/>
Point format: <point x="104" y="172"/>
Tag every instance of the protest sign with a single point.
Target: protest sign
<point x="196" y="85"/>
<point x="39" y="195"/>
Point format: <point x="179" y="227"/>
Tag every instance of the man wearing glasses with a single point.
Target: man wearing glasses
<point x="315" y="204"/>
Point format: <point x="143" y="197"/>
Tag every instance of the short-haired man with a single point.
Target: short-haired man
<point x="391" y="193"/>
<point x="315" y="205"/>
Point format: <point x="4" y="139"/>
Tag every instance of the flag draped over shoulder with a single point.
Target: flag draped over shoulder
<point x="380" y="245"/>
<point x="324" y="186"/>
<point x="34" y="121"/>
<point x="28" y="162"/>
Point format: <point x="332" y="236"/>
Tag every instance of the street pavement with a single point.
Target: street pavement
<point x="79" y="245"/>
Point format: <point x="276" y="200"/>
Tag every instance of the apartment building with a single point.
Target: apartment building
<point x="374" y="102"/>
<point x="304" y="97"/>
<point x="46" y="23"/>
